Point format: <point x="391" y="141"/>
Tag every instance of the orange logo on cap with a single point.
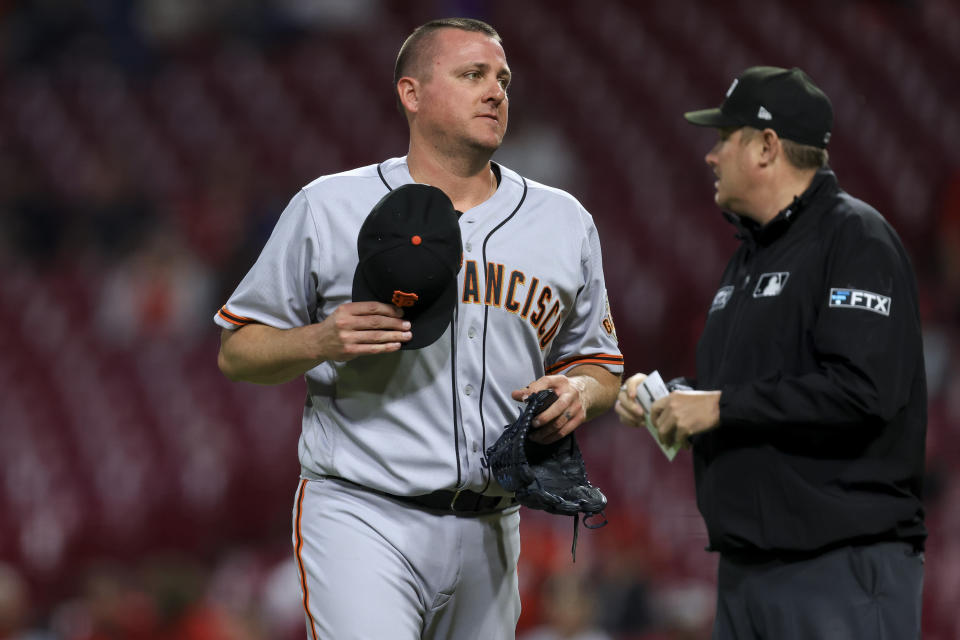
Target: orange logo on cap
<point x="402" y="299"/>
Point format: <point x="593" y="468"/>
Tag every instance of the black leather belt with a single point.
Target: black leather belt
<point x="460" y="501"/>
<point x="466" y="502"/>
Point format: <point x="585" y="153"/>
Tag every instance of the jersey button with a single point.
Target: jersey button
<point x="468" y="389"/>
<point x="468" y="247"/>
<point x="471" y="332"/>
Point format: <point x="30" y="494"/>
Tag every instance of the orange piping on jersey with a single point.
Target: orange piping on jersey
<point x="599" y="358"/>
<point x="233" y="318"/>
<point x="303" y="574"/>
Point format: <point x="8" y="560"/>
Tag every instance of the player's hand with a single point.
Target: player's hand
<point x="630" y="411"/>
<point x="362" y="328"/>
<point x="566" y="414"/>
<point x="685" y="413"/>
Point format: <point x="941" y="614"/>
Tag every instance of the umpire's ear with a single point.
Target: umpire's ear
<point x="770" y="147"/>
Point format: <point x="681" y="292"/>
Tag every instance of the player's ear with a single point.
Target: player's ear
<point x="408" y="91"/>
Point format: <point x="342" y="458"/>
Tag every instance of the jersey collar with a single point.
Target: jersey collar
<point x="395" y="172"/>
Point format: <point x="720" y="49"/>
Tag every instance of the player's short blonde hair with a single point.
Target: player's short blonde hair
<point x="409" y="58"/>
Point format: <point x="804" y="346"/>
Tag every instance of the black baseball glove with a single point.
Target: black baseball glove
<point x="550" y="477"/>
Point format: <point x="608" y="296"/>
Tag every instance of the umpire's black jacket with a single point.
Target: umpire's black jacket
<point x="814" y="340"/>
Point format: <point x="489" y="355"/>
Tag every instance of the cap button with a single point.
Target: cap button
<point x="416" y="240"/>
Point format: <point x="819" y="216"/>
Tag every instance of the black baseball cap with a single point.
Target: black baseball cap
<point x="410" y="253"/>
<point x="785" y="100"/>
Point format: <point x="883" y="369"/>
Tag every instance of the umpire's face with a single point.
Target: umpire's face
<point x="461" y="102"/>
<point x="732" y="160"/>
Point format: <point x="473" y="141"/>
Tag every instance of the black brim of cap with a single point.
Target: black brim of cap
<point x="711" y="118"/>
<point x="427" y="324"/>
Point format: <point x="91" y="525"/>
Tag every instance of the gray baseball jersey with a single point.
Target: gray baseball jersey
<point x="532" y="300"/>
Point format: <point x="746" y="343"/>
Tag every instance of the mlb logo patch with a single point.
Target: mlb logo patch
<point x="857" y="299"/>
<point x="771" y="284"/>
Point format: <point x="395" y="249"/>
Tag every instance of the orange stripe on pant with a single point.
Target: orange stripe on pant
<point x="298" y="536"/>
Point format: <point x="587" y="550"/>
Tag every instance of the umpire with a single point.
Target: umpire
<point x="807" y="416"/>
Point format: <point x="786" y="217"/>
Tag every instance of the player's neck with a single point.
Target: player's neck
<point x="468" y="182"/>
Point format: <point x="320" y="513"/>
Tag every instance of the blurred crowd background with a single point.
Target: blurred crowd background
<point x="146" y="150"/>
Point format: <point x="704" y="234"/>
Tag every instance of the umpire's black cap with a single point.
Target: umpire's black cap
<point x="410" y="253"/>
<point x="785" y="100"/>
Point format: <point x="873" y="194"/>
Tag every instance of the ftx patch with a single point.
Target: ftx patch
<point x="857" y="299"/>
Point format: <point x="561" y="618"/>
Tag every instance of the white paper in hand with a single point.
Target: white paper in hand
<point x="651" y="389"/>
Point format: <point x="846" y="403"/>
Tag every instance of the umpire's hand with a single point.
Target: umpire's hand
<point x="683" y="414"/>
<point x="628" y="409"/>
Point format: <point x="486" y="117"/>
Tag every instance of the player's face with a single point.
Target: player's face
<point x="464" y="98"/>
<point x="730" y="159"/>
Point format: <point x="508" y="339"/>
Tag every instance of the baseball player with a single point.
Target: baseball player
<point x="399" y="530"/>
